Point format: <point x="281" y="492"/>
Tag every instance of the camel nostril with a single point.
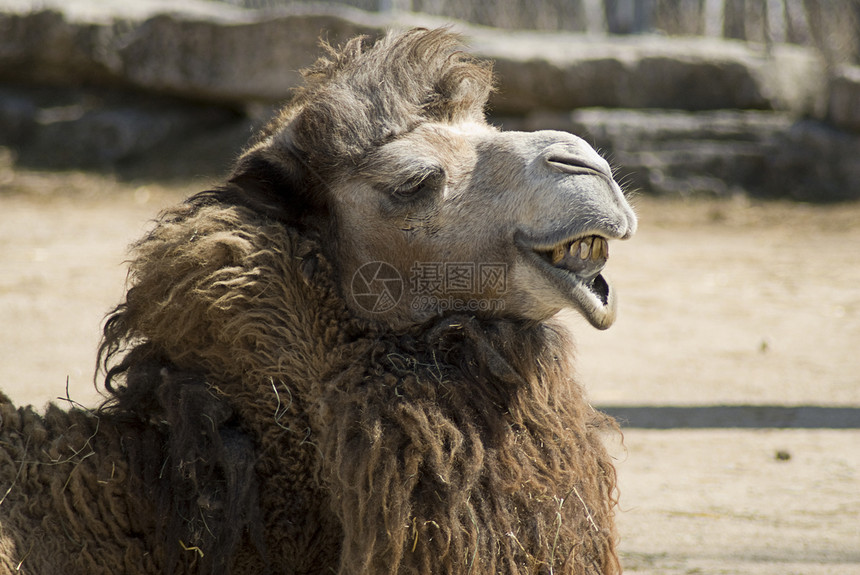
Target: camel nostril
<point x="573" y="165"/>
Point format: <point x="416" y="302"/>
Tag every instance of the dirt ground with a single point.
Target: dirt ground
<point x="721" y="302"/>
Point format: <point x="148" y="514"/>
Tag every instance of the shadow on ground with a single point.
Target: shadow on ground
<point x="735" y="417"/>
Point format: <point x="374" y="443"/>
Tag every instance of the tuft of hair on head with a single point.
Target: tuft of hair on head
<point x="364" y="93"/>
<point x="356" y="97"/>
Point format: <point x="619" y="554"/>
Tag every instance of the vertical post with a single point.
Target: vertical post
<point x="715" y="11"/>
<point x="776" y="31"/>
<point x="595" y="17"/>
<point x="733" y="19"/>
<point x="619" y="16"/>
<point x="643" y="15"/>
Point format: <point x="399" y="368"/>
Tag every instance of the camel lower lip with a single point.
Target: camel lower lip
<point x="594" y="299"/>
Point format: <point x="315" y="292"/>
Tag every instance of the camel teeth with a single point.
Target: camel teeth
<point x="585" y="248"/>
<point x="594" y="248"/>
<point x="598" y="249"/>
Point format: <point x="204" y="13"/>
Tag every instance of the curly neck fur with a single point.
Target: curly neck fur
<point x="406" y="452"/>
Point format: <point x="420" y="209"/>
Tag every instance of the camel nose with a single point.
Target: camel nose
<point x="570" y="155"/>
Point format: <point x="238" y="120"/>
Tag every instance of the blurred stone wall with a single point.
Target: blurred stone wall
<point x="104" y="83"/>
<point x="829" y="24"/>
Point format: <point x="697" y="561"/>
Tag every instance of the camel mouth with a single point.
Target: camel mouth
<point x="574" y="266"/>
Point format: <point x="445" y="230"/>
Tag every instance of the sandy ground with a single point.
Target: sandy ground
<point x="731" y="302"/>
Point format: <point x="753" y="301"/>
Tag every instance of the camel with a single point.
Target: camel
<point x="346" y="357"/>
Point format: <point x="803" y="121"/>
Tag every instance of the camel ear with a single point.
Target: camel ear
<point x="276" y="187"/>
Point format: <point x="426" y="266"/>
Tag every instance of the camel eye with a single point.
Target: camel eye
<point x="421" y="185"/>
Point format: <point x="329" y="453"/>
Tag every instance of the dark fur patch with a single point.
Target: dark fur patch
<point x="191" y="458"/>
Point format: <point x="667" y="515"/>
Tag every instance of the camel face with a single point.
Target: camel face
<point x="464" y="217"/>
<point x="424" y="208"/>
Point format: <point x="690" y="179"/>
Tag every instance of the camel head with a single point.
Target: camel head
<point x="422" y="207"/>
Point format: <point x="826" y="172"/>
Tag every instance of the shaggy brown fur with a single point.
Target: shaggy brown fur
<point x="257" y="422"/>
